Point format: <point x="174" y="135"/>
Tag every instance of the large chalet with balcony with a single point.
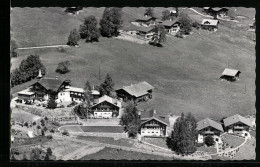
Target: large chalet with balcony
<point x="238" y="125"/>
<point x="153" y="125"/>
<point x="106" y="107"/>
<point x="139" y="92"/>
<point x="171" y="26"/>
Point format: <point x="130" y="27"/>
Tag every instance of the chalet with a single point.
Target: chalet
<point x="145" y="21"/>
<point x="221" y="12"/>
<point x="106" y="107"/>
<point x="153" y="125"/>
<point x="230" y="74"/>
<point x="210" y="24"/>
<point x="73" y="10"/>
<point x="238" y="125"/>
<point x="171" y="26"/>
<point x="145" y="32"/>
<point x="141" y="91"/>
<point x="208" y="127"/>
<point x="26" y="96"/>
<point x="71" y="94"/>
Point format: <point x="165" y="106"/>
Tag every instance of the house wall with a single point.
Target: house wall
<point x="232" y="129"/>
<point x="64" y="97"/>
<point x="158" y="129"/>
<point x="103" y="114"/>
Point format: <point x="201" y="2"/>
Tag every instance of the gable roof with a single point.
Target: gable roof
<point x="138" y="89"/>
<point x="169" y="22"/>
<point x="230" y="72"/>
<point x="26" y="92"/>
<point x="144" y="18"/>
<point x="208" y="122"/>
<point x="237" y="118"/>
<point x="50" y="83"/>
<point x="108" y="99"/>
<point x="150" y="114"/>
<point x="144" y="29"/>
<point x="210" y="21"/>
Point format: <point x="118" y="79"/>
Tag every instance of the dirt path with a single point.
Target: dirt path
<point x="40" y="47"/>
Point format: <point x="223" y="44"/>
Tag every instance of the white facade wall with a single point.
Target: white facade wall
<point x="64" y="97"/>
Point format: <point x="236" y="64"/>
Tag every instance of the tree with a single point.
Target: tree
<point x="111" y="21"/>
<point x="52" y="103"/>
<point x="130" y="119"/>
<point x="166" y="15"/>
<point x="177" y="11"/>
<point x="73" y="38"/>
<point x="107" y="86"/>
<point x="149" y="12"/>
<point x="209" y="141"/>
<point x="159" y="35"/>
<point x="63" y="67"/>
<point x="49" y="151"/>
<point x="183" y="136"/>
<point x="88" y="30"/>
<point x="13" y="48"/>
<point x="185" y="24"/>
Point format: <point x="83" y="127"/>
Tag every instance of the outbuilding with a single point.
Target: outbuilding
<point x="230" y="74"/>
<point x="210" y="24"/>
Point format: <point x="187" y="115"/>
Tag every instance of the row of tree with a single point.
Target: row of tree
<point x="27" y="70"/>
<point x="109" y="25"/>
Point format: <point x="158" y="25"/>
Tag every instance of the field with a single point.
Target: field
<point x="107" y="129"/>
<point x="116" y="154"/>
<point x="22" y="116"/>
<point x="184" y="72"/>
<point x="233" y="140"/>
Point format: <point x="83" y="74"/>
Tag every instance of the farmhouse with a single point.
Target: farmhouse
<point x="71" y="94"/>
<point x="171" y="26"/>
<point x="26" y="96"/>
<point x="222" y="12"/>
<point x="141" y="91"/>
<point x="230" y="74"/>
<point x="153" y="124"/>
<point x="48" y="87"/>
<point x="209" y="24"/>
<point x="106" y="107"/>
<point x="145" y="21"/>
<point x="238" y="125"/>
<point x="208" y="127"/>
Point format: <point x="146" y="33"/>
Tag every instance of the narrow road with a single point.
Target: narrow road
<point x="40" y="47"/>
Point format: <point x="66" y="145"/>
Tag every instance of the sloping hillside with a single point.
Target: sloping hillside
<point x="185" y="72"/>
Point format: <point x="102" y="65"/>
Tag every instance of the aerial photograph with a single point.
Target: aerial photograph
<point x="132" y="83"/>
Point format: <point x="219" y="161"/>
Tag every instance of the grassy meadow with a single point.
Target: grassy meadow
<point x="184" y="72"/>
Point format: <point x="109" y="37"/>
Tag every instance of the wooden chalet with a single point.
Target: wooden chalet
<point x="171" y="26"/>
<point x="216" y="11"/>
<point x="141" y="91"/>
<point x="145" y="21"/>
<point x="237" y="124"/>
<point x="230" y="74"/>
<point x="26" y="96"/>
<point x="210" y="24"/>
<point x="106" y="107"/>
<point x="153" y="125"/>
<point x="48" y="87"/>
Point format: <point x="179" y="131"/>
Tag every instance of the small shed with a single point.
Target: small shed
<point x="230" y="74"/>
<point x="210" y="24"/>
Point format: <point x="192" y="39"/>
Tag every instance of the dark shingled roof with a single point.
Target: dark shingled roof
<point x="144" y="18"/>
<point x="150" y="114"/>
<point x="169" y="22"/>
<point x="51" y="83"/>
<point x="208" y="122"/>
<point x="237" y="118"/>
<point x="138" y="89"/>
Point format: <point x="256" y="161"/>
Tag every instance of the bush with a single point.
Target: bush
<point x="55" y="123"/>
<point x="38" y="127"/>
<point x="52" y="104"/>
<point x="179" y="35"/>
<point x="34" y="123"/>
<point x="73" y="38"/>
<point x="196" y="25"/>
<point x="62" y="106"/>
<point x="209" y="141"/>
<point x="63" y="67"/>
<point x="52" y="131"/>
<point x="26" y="124"/>
<point x="49" y="137"/>
<point x="65" y="132"/>
<point x="42" y="122"/>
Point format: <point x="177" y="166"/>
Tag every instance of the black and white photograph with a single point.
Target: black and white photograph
<point x="132" y="83"/>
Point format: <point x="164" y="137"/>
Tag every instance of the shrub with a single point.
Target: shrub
<point x="209" y="141"/>
<point x="26" y="124"/>
<point x="63" y="67"/>
<point x="38" y="127"/>
<point x="49" y="137"/>
<point x="62" y="106"/>
<point x="46" y="118"/>
<point x="42" y="122"/>
<point x="52" y="104"/>
<point x="34" y="123"/>
<point x="179" y="35"/>
<point x="43" y="132"/>
<point x="65" y="132"/>
<point x="73" y="38"/>
<point x="52" y="131"/>
<point x="196" y="25"/>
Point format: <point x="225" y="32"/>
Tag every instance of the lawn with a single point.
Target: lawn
<point x="209" y="150"/>
<point x="109" y="140"/>
<point x="233" y="140"/>
<point x="161" y="142"/>
<point x="247" y="151"/>
<point x="22" y="116"/>
<point x="105" y="129"/>
<point x="184" y="72"/>
<point x="116" y="154"/>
